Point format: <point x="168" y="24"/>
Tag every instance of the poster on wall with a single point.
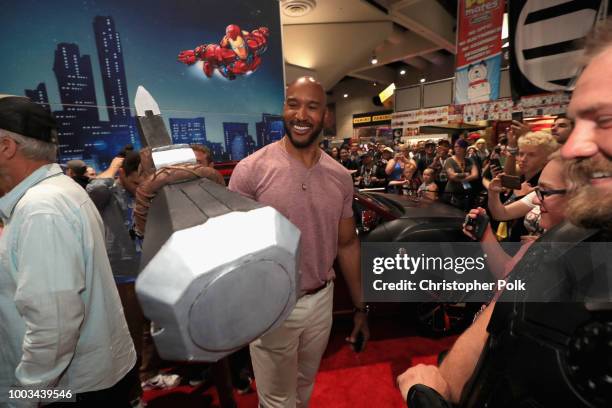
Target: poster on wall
<point x="411" y="121"/>
<point x="85" y="59"/>
<point x="494" y="110"/>
<point x="544" y="104"/>
<point x="479" y="54"/>
<point x="546" y="42"/>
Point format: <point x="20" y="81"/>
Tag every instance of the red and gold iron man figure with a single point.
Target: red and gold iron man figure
<point x="238" y="53"/>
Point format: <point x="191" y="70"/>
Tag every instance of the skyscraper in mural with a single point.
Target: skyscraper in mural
<point x="235" y="135"/>
<point x="270" y="129"/>
<point x="39" y="95"/>
<point x="192" y="130"/>
<point x="217" y="151"/>
<point x="74" y="76"/>
<point x="112" y="68"/>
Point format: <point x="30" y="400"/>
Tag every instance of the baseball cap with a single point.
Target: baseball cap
<point x="388" y="149"/>
<point x="79" y="167"/>
<point x="22" y="116"/>
<point x="430" y="142"/>
<point x="369" y="153"/>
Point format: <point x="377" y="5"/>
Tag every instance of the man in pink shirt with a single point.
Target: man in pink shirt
<point x="315" y="193"/>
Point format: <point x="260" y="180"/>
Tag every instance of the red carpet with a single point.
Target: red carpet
<point x="345" y="379"/>
<point x="356" y="387"/>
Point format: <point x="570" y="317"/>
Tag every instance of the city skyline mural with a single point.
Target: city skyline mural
<point x="85" y="59"/>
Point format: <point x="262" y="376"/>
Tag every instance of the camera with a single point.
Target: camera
<point x="478" y="224"/>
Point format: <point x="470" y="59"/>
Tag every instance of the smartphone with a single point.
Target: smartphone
<point x="495" y="162"/>
<point x="478" y="224"/>
<point x="518" y="116"/>
<point x="513" y="182"/>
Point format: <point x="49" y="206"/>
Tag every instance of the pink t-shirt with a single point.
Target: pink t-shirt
<point x="314" y="200"/>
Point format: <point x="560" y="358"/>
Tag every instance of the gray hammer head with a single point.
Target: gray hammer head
<point x="219" y="270"/>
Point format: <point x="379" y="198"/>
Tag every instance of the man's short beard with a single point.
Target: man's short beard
<point x="587" y="206"/>
<point x="303" y="145"/>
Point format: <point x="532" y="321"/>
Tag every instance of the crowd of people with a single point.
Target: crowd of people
<point x="465" y="172"/>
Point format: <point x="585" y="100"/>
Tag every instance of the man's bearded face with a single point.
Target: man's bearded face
<point x="588" y="205"/>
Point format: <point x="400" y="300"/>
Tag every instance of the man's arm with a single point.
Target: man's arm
<point x="456" y="368"/>
<point x="48" y="297"/>
<point x="518" y="129"/>
<point x="240" y="182"/>
<point x="349" y="258"/>
<point x="112" y="170"/>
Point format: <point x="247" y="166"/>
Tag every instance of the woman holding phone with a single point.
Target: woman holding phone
<point x="549" y="197"/>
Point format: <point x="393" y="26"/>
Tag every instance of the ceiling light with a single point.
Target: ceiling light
<point x="345" y="95"/>
<point x="403" y="72"/>
<point x="297" y="8"/>
<point x="422" y="80"/>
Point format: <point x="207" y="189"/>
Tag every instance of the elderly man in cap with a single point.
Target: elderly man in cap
<point x="62" y="322"/>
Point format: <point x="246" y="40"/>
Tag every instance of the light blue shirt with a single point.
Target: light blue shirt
<point x="61" y="319"/>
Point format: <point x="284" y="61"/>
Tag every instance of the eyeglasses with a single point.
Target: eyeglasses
<point x="542" y="194"/>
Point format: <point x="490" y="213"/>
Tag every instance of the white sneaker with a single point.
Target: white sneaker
<point x="161" y="382"/>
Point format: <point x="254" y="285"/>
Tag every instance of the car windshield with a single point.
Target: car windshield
<point x="383" y="202"/>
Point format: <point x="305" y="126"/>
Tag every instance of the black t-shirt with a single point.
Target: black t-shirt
<point x="349" y="164"/>
<point x="457" y="186"/>
<point x="424" y="162"/>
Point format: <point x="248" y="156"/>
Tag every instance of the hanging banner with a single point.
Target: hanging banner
<point x="546" y="43"/>
<point x="372" y="119"/>
<point x="407" y="123"/>
<point x="479" y="46"/>
<point x="495" y="110"/>
<point x="544" y="104"/>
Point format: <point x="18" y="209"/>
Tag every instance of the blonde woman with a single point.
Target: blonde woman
<point x="534" y="149"/>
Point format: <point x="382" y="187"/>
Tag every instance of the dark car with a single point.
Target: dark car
<point x="381" y="217"/>
<point x="396" y="218"/>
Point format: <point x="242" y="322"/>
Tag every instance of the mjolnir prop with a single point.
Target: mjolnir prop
<point x="218" y="270"/>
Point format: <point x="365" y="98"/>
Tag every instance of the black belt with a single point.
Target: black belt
<point x="316" y="290"/>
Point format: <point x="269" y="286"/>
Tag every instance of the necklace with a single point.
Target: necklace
<point x="304" y="185"/>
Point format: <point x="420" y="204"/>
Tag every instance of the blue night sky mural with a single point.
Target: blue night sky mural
<point x="60" y="44"/>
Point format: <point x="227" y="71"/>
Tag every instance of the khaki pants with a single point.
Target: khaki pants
<point x="286" y="360"/>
